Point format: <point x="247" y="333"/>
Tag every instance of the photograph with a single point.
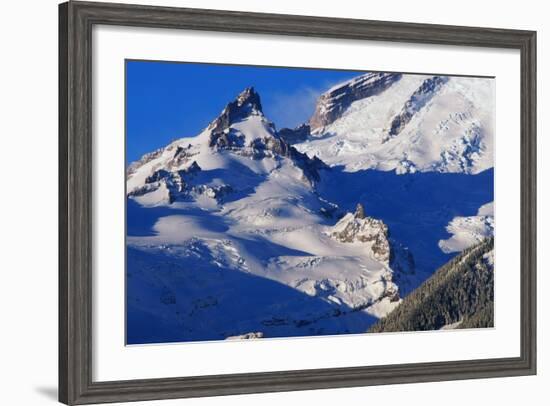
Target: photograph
<point x="281" y="202"/>
<point x="275" y="203"/>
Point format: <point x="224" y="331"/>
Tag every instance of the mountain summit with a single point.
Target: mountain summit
<point x="241" y="131"/>
<point x="247" y="103"/>
<point x="406" y="123"/>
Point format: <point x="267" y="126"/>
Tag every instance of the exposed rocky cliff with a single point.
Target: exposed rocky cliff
<point x="416" y="102"/>
<point x="332" y="104"/>
<point x="358" y="227"/>
<point x="247" y="103"/>
<point x="295" y="135"/>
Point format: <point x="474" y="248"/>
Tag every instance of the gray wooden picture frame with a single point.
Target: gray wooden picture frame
<point x="76" y="20"/>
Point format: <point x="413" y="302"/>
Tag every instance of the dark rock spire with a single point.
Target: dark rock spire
<point x="359" y="211"/>
<point x="247" y="103"/>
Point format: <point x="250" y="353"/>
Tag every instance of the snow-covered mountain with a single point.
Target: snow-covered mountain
<point x="243" y="231"/>
<point x="231" y="218"/>
<point x="406" y="123"/>
<point x="236" y="141"/>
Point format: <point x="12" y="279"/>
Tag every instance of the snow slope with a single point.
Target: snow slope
<point x="418" y="123"/>
<point x="468" y="231"/>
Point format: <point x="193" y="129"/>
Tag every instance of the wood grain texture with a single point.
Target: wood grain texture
<point x="63" y="247"/>
<point x="75" y="202"/>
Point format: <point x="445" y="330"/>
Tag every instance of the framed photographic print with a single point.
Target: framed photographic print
<point x="258" y="202"/>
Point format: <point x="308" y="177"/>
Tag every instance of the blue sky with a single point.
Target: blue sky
<point x="167" y="100"/>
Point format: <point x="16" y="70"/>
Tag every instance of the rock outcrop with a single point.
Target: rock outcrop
<point x="174" y="182"/>
<point x="247" y="103"/>
<point x="358" y="227"/>
<point x="332" y="104"/>
<point x="295" y="135"/>
<point x="416" y="102"/>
